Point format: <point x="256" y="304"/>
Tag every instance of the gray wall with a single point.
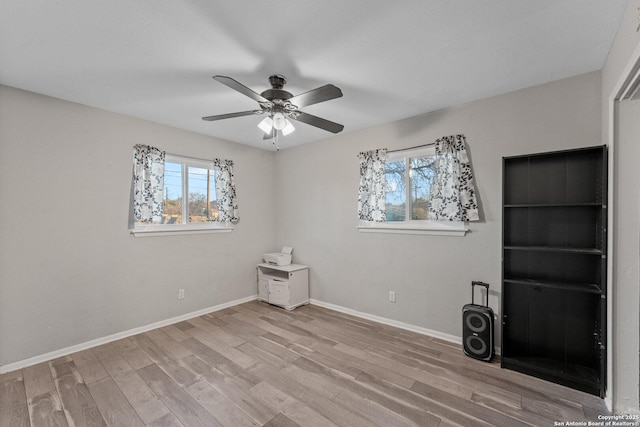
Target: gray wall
<point x="317" y="190"/>
<point x="626" y="277"/>
<point x="70" y="271"/>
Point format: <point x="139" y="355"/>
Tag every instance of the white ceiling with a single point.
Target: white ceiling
<point x="154" y="59"/>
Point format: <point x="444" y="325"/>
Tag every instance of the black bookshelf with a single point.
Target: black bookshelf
<point x="554" y="262"/>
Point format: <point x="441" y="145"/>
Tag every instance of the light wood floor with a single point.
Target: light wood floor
<point x="257" y="365"/>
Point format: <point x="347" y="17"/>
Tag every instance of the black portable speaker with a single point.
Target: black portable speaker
<point x="477" y="327"/>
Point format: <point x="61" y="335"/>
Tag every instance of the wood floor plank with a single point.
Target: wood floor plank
<point x="167" y="363"/>
<point x="423" y="372"/>
<point x="447" y="376"/>
<point x="185" y="408"/>
<point x="114" y="406"/>
<point x="175" y="333"/>
<point x="373" y="412"/>
<point x="532" y="418"/>
<point x="379" y="363"/>
<point x="221" y="406"/>
<point x="557" y="410"/>
<point x="167" y="420"/>
<point x="183" y="326"/>
<point x="257" y="307"/>
<point x="356" y="358"/>
<point x="104" y="351"/>
<point x="10" y="376"/>
<point x="135" y="357"/>
<point x="301" y="331"/>
<point x="236" y="326"/>
<point x="281" y="420"/>
<point x="215" y="320"/>
<point x="405" y="402"/>
<point x="168" y="344"/>
<point x="289" y="406"/>
<point x="253" y="318"/>
<point x="504" y="398"/>
<point x="220" y="363"/>
<point x="410" y="409"/>
<point x="265" y="343"/>
<point x="214" y="333"/>
<point x="226" y="311"/>
<point x="257" y="353"/>
<point x="116" y="364"/>
<point x="479" y="412"/>
<point x="359" y="338"/>
<point x="315" y="376"/>
<point x="143" y="400"/>
<point x="490" y="375"/>
<point x="13" y="402"/>
<point x="89" y="366"/>
<point x="526" y="386"/>
<point x="38" y="380"/>
<point x="234" y="388"/>
<point x="328" y="408"/>
<point x="337" y="364"/>
<point x="77" y="402"/>
<point x="228" y="351"/>
<point x="46" y="410"/>
<point x="256" y="336"/>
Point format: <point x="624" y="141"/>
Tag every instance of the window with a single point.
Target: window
<point x="409" y="178"/>
<point x="198" y="183"/>
<point x="409" y="175"/>
<point x="189" y="198"/>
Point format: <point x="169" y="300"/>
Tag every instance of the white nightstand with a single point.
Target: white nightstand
<point x="283" y="285"/>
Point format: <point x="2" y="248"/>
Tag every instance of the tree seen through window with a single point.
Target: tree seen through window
<point x="419" y="176"/>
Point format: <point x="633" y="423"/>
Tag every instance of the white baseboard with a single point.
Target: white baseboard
<point x="104" y="340"/>
<point x="407" y="326"/>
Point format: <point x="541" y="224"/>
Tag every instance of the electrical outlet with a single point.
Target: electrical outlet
<point x="392" y="296"/>
<point x="180" y="293"/>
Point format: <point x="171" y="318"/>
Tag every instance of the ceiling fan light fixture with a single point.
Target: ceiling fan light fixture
<point x="266" y="124"/>
<point x="279" y="121"/>
<point x="288" y="128"/>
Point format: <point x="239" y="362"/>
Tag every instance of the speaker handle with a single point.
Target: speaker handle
<point x="478" y="283"/>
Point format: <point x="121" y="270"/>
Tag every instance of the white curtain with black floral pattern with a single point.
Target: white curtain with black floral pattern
<point x="453" y="196"/>
<point x="148" y="183"/>
<point x="225" y="191"/>
<point x="372" y="194"/>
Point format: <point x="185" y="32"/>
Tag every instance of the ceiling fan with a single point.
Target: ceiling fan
<point x="280" y="106"/>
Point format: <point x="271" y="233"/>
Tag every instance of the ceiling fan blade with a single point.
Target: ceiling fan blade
<point x="314" y="96"/>
<point x="232" y="115"/>
<point x="317" y="122"/>
<point x="235" y="85"/>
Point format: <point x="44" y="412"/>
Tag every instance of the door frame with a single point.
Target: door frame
<point x="628" y="82"/>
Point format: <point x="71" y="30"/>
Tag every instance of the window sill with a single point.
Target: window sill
<point x="177" y="230"/>
<point x="430" y="228"/>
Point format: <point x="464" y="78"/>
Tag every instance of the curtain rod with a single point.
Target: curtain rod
<point x="411" y="148"/>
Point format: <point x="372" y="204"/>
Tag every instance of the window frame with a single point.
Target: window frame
<point x="409" y="225"/>
<point x="150" y="230"/>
